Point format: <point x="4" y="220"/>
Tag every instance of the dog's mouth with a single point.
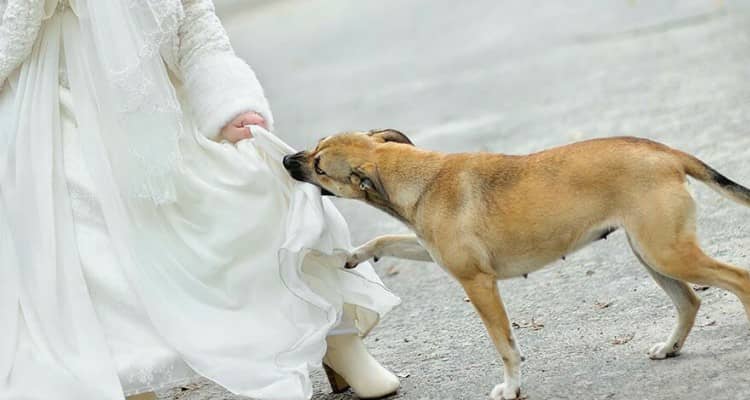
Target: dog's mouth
<point x="294" y="165"/>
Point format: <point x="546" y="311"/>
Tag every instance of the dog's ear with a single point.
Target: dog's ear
<point x="391" y="135"/>
<point x="369" y="181"/>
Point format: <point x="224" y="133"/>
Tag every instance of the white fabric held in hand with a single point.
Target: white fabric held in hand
<point x="239" y="280"/>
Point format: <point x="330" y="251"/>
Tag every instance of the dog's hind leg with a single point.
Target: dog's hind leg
<point x="687" y="304"/>
<point x="484" y="295"/>
<point x="399" y="246"/>
<point x="663" y="235"/>
<point x="686" y="261"/>
<point x="704" y="270"/>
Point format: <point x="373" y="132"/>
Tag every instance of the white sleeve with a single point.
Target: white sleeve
<point x="218" y="84"/>
<point x="20" y="21"/>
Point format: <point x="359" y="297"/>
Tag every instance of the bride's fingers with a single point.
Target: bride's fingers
<point x="235" y="134"/>
<point x="250" y="118"/>
<point x="237" y="129"/>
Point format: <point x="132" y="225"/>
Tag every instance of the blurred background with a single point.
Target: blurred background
<point x="517" y="77"/>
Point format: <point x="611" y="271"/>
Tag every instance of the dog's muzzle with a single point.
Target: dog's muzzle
<point x="294" y="165"/>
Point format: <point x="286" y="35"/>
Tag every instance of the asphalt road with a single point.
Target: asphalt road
<point x="517" y="77"/>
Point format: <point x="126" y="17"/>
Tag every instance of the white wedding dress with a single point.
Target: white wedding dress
<point x="246" y="285"/>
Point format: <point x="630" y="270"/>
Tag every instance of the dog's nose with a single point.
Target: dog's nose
<point x="293" y="161"/>
<point x="287" y="161"/>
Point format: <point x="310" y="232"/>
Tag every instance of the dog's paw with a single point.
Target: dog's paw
<point x="360" y="255"/>
<point x="352" y="261"/>
<point x="355" y="258"/>
<point x="661" y="351"/>
<point x="500" y="392"/>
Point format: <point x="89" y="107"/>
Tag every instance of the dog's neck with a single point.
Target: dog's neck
<point x="406" y="175"/>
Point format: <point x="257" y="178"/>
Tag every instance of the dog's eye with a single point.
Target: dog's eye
<point x="316" y="165"/>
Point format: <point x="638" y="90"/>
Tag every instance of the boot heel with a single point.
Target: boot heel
<point x="338" y="383"/>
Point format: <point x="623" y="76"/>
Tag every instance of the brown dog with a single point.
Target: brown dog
<point x="485" y="217"/>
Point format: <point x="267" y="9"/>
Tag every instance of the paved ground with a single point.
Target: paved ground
<point x="515" y="78"/>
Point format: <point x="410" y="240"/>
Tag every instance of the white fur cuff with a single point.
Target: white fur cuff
<point x="221" y="87"/>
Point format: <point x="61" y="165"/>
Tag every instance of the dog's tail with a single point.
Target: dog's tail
<point x="714" y="179"/>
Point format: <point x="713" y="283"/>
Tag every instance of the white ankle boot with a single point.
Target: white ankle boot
<point x="349" y="364"/>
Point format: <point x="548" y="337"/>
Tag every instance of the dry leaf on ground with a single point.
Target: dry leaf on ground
<point x="623" y="339"/>
<point x="533" y="325"/>
<point x="600" y="304"/>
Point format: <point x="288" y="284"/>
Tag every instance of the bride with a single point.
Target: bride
<point x="145" y="237"/>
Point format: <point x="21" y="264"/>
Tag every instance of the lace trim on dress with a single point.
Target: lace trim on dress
<point x="156" y="379"/>
<point x="140" y="117"/>
<point x="168" y="15"/>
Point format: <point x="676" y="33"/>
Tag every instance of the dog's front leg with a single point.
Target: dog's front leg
<point x="399" y="246"/>
<point x="483" y="293"/>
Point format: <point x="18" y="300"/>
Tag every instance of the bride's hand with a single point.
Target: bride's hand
<point x="235" y="130"/>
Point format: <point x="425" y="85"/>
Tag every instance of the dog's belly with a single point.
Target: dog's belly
<point x="520" y="267"/>
<point x="514" y="265"/>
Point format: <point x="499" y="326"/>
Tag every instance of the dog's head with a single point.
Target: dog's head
<point x="344" y="165"/>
